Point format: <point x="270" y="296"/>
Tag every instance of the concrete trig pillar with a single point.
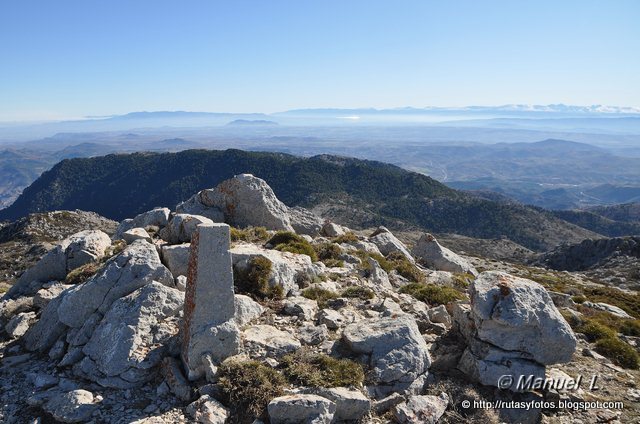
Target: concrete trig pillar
<point x="209" y="309"/>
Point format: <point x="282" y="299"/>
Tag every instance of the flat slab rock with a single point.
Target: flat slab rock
<point x="301" y="409"/>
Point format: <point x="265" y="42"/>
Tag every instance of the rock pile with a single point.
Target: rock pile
<point x="333" y="338"/>
<point x="512" y="328"/>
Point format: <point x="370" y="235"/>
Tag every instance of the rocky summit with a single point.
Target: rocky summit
<point x="232" y="307"/>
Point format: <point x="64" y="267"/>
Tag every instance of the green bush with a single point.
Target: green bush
<point x="286" y="241"/>
<point x="319" y="295"/>
<point x="254" y="280"/>
<point x="618" y="351"/>
<point x="320" y="370"/>
<point x="462" y="281"/>
<point x="595" y="330"/>
<point x="249" y="386"/>
<point x="250" y="234"/>
<point x="358" y="292"/>
<point x="432" y="294"/>
<point x="630" y="327"/>
<point x="329" y="254"/>
<point x="349" y="237"/>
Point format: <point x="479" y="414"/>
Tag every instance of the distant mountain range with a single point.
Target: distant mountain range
<point x="355" y="192"/>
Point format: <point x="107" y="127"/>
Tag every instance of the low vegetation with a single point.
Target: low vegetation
<point x="394" y="261"/>
<point x="329" y="254"/>
<point x="249" y="386"/>
<point x="602" y="329"/>
<point x="358" y="292"/>
<point x="286" y="241"/>
<point x="320" y="370"/>
<point x="349" y="237"/>
<point x="320" y="295"/>
<point x="254" y="280"/>
<point x="250" y="234"/>
<point x="432" y="294"/>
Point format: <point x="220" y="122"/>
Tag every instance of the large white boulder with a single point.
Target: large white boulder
<point x="158" y="217"/>
<point x="133" y="336"/>
<point x="74" y="251"/>
<point x="244" y="200"/>
<point x="304" y="221"/>
<point x="176" y="258"/>
<point x="394" y="350"/>
<point x="516" y="314"/>
<point x="387" y="243"/>
<point x="430" y="253"/>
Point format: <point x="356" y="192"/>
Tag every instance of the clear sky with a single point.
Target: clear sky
<point x="64" y="58"/>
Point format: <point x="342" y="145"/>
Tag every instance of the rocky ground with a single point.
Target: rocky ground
<point x="327" y="324"/>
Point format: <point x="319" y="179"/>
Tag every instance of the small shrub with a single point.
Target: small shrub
<point x="250" y="234"/>
<point x="358" y="292"/>
<point x="462" y="281"/>
<point x="618" y="351"/>
<point x="432" y="294"/>
<point x="320" y="370"/>
<point x="319" y="295"/>
<point x="116" y="248"/>
<point x="286" y="241"/>
<point x="249" y="386"/>
<point x="594" y="330"/>
<point x="630" y="327"/>
<point x="254" y="280"/>
<point x="349" y="237"/>
<point x="579" y="299"/>
<point x="382" y="261"/>
<point x="329" y="254"/>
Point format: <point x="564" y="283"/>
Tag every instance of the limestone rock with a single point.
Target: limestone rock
<point x="421" y="409"/>
<point x="304" y="221"/>
<point x="245" y="201"/>
<point x="331" y="229"/>
<point x="266" y="340"/>
<point x="134" y="335"/>
<point x="19" y="324"/>
<point x="301" y="307"/>
<point x="351" y="405"/>
<point x="393" y="348"/>
<point x="301" y="409"/>
<point x="134" y="234"/>
<point x="517" y="314"/>
<point x="201" y="203"/>
<point x="246" y="309"/>
<point x="207" y="410"/>
<point x="388" y="243"/>
<point x="613" y="310"/>
<point x="286" y="268"/>
<point x="137" y="266"/>
<point x="181" y="228"/>
<point x="429" y="252"/>
<point x="332" y="319"/>
<point x="310" y="334"/>
<point x="176" y="258"/>
<point x="158" y="217"/>
<point x="71" y="407"/>
<point x="72" y="252"/>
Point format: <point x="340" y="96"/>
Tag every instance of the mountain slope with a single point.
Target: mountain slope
<point x="358" y="192"/>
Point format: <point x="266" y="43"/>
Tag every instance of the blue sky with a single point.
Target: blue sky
<point x="61" y="59"/>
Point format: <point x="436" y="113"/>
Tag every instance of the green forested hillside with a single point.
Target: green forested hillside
<point x="120" y="186"/>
